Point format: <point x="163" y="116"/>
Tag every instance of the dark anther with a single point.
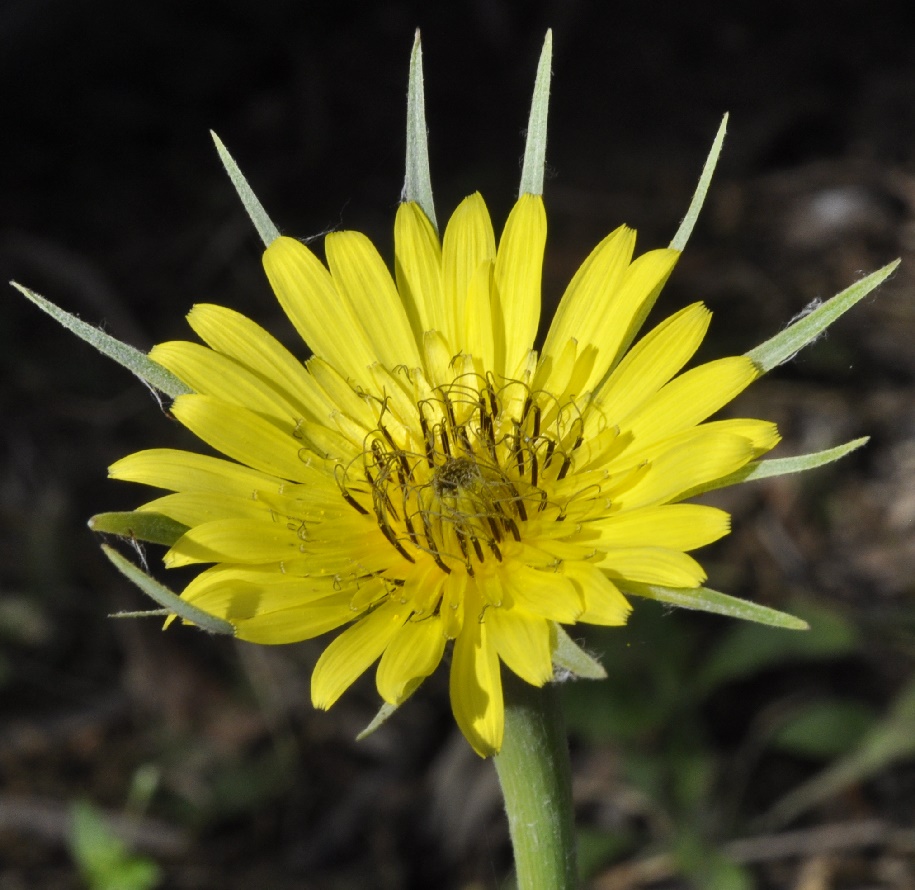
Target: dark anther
<point x="409" y="524"/>
<point x="494" y="528"/>
<point x="463" y="544"/>
<point x="550" y="448"/>
<point x="388" y="532"/>
<point x="353" y="502"/>
<point x="516" y="449"/>
<point x="493" y="402"/>
<point x="517" y="501"/>
<point x="512" y="526"/>
<point x="427" y="437"/>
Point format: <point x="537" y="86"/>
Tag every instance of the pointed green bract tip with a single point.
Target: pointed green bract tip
<point x="569" y="656"/>
<point x="786" y="344"/>
<point x="535" y="147"/>
<point x="384" y="712"/>
<point x="255" y="210"/>
<point x="701" y="599"/>
<point x="418" y="180"/>
<point x="695" y="206"/>
<point x="172" y="603"/>
<point x="151" y="373"/>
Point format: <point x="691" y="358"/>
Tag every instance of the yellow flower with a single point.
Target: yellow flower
<point x="427" y="478"/>
<point x="429" y="481"/>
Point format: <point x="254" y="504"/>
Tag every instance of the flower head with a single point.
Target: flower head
<point x="430" y="481"/>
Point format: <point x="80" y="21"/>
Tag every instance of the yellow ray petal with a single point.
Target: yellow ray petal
<point x="365" y="284"/>
<point x="523" y="643"/>
<point x="640" y="288"/>
<point x="176" y="470"/>
<point x="545" y="593"/>
<point x="237" y="337"/>
<point x="325" y="321"/>
<point x="341" y="396"/>
<point x="475" y="684"/>
<point x="418" y="269"/>
<point x="293" y="625"/>
<point x="705" y="457"/>
<point x="437" y="355"/>
<point x="479" y="339"/>
<point x="244" y="436"/>
<point x="675" y="526"/>
<point x="518" y="270"/>
<point x="240" y="592"/>
<point x="453" y="603"/>
<point x="413" y="654"/>
<point x="591" y="300"/>
<point x="469" y="241"/>
<point x="652" y="362"/>
<point x="761" y="434"/>
<point x="652" y="565"/>
<point x="604" y="604"/>
<point x="236" y="540"/>
<point x="196" y="507"/>
<point x="690" y="399"/>
<point x="353" y="652"/>
<point x="212" y="374"/>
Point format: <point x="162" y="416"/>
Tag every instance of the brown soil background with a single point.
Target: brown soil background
<point x="113" y="203"/>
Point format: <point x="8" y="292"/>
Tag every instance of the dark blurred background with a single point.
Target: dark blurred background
<point x="716" y="756"/>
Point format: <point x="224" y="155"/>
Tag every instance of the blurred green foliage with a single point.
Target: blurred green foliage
<point x="660" y="712"/>
<point x="105" y="862"/>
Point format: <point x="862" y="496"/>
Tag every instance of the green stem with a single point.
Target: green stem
<point x="536" y="779"/>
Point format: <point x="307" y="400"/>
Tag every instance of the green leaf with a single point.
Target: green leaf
<point x="104" y="860"/>
<point x="704" y="600"/>
<point x="535" y="146"/>
<point x="695" y="206"/>
<point x="805" y="330"/>
<point x="418" y="183"/>
<point x="164" y="597"/>
<point x="255" y="210"/>
<point x="783" y="466"/>
<point x="139" y="525"/>
<point x="569" y="656"/>
<point x="826" y="728"/>
<point x="127" y="356"/>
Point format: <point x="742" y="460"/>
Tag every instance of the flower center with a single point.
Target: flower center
<point x="464" y="474"/>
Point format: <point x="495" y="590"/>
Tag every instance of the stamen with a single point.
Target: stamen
<point x="428" y="437"/>
<point x="476" y="477"/>
<point x="388" y="532"/>
<point x="550" y="448"/>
